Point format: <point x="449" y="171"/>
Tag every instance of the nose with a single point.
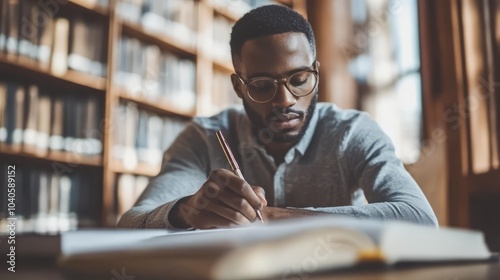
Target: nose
<point x="283" y="98"/>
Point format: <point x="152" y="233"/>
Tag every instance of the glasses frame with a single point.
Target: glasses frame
<point x="285" y="81"/>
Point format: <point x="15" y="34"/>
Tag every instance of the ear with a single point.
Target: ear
<point x="237" y="85"/>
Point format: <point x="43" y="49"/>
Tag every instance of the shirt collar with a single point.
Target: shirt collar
<point x="303" y="144"/>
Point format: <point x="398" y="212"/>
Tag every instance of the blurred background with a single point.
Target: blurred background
<point x="93" y="91"/>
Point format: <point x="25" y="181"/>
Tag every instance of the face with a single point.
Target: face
<point x="285" y="117"/>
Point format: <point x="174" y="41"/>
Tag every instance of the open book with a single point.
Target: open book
<point x="282" y="249"/>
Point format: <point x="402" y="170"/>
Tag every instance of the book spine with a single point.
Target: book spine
<point x="12" y="40"/>
<point x="30" y="134"/>
<point x="59" y="63"/>
<point x="43" y="125"/>
<point x="3" y="112"/>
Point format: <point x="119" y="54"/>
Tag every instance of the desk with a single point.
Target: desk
<point x="45" y="269"/>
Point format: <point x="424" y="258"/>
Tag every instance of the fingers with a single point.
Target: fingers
<point x="228" y="213"/>
<point x="261" y="193"/>
<point x="238" y="203"/>
<point x="225" y="200"/>
<point x="226" y="179"/>
<point x="211" y="220"/>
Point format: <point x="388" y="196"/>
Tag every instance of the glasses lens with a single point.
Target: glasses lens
<point x="262" y="90"/>
<point x="302" y="83"/>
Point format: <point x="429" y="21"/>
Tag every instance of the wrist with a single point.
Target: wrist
<point x="175" y="217"/>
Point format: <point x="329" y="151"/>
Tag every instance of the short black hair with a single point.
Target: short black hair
<point x="269" y="20"/>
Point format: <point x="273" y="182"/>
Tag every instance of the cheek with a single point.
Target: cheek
<point x="304" y="102"/>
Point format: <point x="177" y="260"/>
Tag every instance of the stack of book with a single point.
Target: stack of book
<point x="48" y="201"/>
<point x="34" y="34"/>
<point x="36" y="122"/>
<point x="159" y="76"/>
<point x="140" y="136"/>
<point x="176" y="19"/>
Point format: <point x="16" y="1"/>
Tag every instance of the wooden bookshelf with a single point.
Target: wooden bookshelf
<point x="162" y="41"/>
<point x="158" y="106"/>
<point x="141" y="169"/>
<point x="482" y="183"/>
<point x="223" y="66"/>
<point x="12" y="66"/>
<point x="26" y="71"/>
<point x="232" y="16"/>
<point x="72" y="159"/>
<point x="89" y="7"/>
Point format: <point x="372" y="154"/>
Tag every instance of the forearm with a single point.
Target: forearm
<point x="400" y="211"/>
<point x="142" y="216"/>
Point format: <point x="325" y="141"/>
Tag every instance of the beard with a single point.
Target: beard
<point x="272" y="134"/>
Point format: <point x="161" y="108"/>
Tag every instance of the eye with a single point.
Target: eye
<point x="261" y="85"/>
<point x="300" y="79"/>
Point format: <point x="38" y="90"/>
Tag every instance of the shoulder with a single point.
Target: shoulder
<point x="331" y="117"/>
<point x="349" y="127"/>
<point x="223" y="120"/>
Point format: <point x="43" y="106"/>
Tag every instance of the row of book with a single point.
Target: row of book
<point x="36" y="121"/>
<point x="34" y="33"/>
<point x="221" y="36"/>
<point x="46" y="201"/>
<point x="173" y="18"/>
<point x="223" y="94"/>
<point x="128" y="189"/>
<point x="140" y="136"/>
<point x="144" y="70"/>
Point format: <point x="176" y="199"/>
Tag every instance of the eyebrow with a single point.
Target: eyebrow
<point x="288" y="73"/>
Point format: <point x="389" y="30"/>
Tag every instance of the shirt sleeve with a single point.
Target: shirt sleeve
<point x="368" y="161"/>
<point x="183" y="172"/>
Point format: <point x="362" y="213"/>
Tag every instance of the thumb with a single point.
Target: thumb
<point x="261" y="194"/>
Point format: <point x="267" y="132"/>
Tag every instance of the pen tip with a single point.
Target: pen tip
<point x="260" y="216"/>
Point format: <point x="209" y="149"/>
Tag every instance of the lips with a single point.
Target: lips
<point x="286" y="117"/>
<point x="285" y="121"/>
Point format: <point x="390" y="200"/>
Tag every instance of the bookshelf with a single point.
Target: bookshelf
<point x="122" y="32"/>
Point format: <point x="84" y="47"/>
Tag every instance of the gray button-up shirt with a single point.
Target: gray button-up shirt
<point x="344" y="164"/>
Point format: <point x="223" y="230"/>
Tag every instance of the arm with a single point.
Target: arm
<point x="368" y="161"/>
<point x="182" y="196"/>
<point x="184" y="170"/>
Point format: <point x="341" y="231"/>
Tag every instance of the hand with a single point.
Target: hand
<point x="224" y="200"/>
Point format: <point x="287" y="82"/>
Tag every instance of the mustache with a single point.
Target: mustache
<point x="277" y="114"/>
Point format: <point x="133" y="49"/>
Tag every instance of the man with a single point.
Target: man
<point x="298" y="157"/>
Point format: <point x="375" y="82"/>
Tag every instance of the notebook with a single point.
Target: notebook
<point x="281" y="249"/>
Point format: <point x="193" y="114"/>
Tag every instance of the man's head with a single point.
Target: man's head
<point x="275" y="43"/>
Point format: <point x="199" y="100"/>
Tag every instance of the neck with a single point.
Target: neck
<point x="278" y="151"/>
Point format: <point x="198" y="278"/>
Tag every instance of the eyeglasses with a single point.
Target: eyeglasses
<point x="300" y="84"/>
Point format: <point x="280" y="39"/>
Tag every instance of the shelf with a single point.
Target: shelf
<point x="227" y="13"/>
<point x="162" y="41"/>
<point x="485" y="183"/>
<point x="155" y="106"/>
<point x="142" y="169"/>
<point x="288" y="3"/>
<point x="31" y="71"/>
<point x="90" y="6"/>
<point x="72" y="159"/>
<point x="223" y="66"/>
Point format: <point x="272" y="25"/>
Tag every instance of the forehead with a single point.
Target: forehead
<point x="275" y="55"/>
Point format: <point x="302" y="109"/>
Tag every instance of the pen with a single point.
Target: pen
<point x="232" y="162"/>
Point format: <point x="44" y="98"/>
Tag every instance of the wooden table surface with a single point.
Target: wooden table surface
<point x="46" y="269"/>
